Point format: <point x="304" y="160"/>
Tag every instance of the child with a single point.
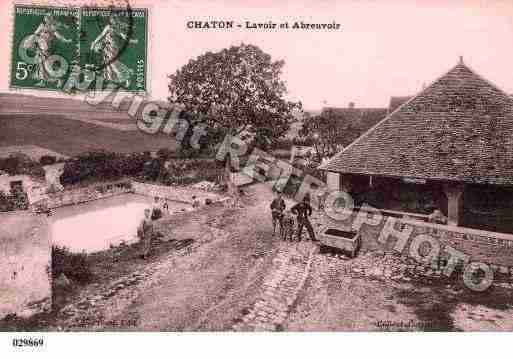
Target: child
<point x="195" y="202"/>
<point x="287" y="226"/>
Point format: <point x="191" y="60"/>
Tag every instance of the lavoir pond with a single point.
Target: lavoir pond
<point x="95" y="226"/>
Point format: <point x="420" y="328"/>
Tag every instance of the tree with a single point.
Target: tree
<point x="21" y="164"/>
<point x="237" y="91"/>
<point x="326" y="133"/>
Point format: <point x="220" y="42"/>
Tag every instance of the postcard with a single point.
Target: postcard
<point x="233" y="166"/>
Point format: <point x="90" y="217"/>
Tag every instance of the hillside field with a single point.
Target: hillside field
<point x="71" y="137"/>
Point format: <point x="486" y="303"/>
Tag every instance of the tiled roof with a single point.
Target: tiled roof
<point x="359" y="119"/>
<point x="460" y="128"/>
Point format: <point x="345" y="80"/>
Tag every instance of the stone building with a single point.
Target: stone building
<point x="449" y="148"/>
<point x="28" y="184"/>
<point x="355" y="120"/>
<point x="35" y="188"/>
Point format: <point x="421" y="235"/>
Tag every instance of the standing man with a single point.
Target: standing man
<point x="145" y="233"/>
<point x="277" y="208"/>
<point x="303" y="210"/>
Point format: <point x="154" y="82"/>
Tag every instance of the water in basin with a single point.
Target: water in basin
<point x="97" y="225"/>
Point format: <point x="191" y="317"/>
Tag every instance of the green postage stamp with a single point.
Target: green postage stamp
<point x="79" y="49"/>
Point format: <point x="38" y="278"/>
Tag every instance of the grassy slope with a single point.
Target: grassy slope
<point x="71" y="137"/>
<point x="25" y="104"/>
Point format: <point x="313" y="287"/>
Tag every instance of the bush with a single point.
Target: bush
<point x="101" y="166"/>
<point x="21" y="164"/>
<point x="47" y="160"/>
<point x="5" y="202"/>
<point x="75" y="266"/>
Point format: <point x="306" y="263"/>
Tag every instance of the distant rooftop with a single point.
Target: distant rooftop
<point x="358" y="119"/>
<point x="396" y="101"/>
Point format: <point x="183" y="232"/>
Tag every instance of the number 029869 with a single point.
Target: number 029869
<point x="27" y="342"/>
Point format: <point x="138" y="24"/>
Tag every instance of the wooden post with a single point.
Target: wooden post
<point x="454" y="203"/>
<point x="333" y="181"/>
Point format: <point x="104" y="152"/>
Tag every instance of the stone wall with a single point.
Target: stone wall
<point x="25" y="253"/>
<point x="488" y="247"/>
<point x="86" y="194"/>
<point x="96" y="192"/>
<point x="174" y="193"/>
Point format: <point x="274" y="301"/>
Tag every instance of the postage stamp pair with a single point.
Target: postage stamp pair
<point x="77" y="49"/>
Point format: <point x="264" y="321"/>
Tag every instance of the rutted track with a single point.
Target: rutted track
<point x="207" y="285"/>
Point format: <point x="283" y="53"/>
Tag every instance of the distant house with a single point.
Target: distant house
<point x="396" y="102"/>
<point x="450" y="147"/>
<point x="33" y="187"/>
<point x="357" y="119"/>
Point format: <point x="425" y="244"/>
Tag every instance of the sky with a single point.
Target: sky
<point x="384" y="48"/>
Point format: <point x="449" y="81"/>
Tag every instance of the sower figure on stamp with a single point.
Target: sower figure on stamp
<point x="41" y="42"/>
<point x="303" y="210"/>
<point x="145" y="233"/>
<point x="109" y="43"/>
<point x="277" y="208"/>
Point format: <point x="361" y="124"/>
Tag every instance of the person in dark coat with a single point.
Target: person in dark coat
<point x="303" y="210"/>
<point x="277" y="208"/>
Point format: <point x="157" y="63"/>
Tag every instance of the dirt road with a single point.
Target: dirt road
<point x="212" y="286"/>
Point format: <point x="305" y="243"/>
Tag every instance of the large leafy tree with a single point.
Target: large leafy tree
<point x="236" y="89"/>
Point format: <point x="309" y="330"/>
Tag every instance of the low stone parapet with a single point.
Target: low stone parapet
<point x="381" y="231"/>
<point x="175" y="193"/>
<point x="82" y="195"/>
<point x="99" y="191"/>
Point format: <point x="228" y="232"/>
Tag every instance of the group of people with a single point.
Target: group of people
<point x="280" y="217"/>
<point x="285" y="218"/>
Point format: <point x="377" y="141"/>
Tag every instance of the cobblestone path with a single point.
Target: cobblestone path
<point x="290" y="269"/>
